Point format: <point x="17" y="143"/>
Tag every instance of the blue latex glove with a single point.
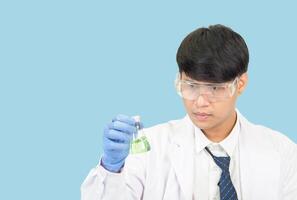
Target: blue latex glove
<point x="116" y="142"/>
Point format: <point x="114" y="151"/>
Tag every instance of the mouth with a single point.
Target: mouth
<point x="201" y="116"/>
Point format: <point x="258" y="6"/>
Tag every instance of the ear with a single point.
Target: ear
<point x="242" y="83"/>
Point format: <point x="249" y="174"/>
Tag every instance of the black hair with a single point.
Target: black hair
<point x="215" y="54"/>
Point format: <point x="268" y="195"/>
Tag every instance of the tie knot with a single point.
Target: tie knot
<point x="227" y="189"/>
<point x="222" y="162"/>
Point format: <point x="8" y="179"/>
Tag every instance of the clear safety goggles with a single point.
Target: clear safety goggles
<point x="214" y="92"/>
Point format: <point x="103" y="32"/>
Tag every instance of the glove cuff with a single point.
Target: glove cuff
<point x="115" y="168"/>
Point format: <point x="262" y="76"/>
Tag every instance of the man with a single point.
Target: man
<point x="212" y="153"/>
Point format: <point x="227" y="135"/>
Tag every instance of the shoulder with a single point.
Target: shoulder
<point x="263" y="136"/>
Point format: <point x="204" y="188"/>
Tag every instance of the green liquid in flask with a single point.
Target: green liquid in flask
<point x="139" y="143"/>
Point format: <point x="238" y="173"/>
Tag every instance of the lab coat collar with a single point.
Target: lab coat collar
<point x="184" y="134"/>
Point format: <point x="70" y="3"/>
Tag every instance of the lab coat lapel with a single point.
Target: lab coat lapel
<point x="257" y="181"/>
<point x="182" y="156"/>
<point x="245" y="168"/>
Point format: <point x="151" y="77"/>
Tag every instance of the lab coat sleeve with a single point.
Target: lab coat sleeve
<point x="100" y="184"/>
<point x="289" y="183"/>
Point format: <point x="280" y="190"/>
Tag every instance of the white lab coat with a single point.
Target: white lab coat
<point x="268" y="166"/>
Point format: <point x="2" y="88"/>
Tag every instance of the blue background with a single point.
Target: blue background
<point x="68" y="67"/>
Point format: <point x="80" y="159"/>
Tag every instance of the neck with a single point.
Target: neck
<point x="223" y="129"/>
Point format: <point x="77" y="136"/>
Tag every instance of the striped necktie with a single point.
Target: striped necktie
<point x="227" y="190"/>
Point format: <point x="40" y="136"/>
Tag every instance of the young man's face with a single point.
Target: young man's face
<point x="214" y="116"/>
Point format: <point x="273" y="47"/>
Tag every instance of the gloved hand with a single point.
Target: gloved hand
<point x="116" y="142"/>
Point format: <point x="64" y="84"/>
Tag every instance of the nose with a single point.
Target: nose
<point x="202" y="101"/>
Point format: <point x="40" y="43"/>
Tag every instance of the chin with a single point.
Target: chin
<point x="201" y="125"/>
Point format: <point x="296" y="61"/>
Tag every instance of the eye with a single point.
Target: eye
<point x="188" y="86"/>
<point x="218" y="89"/>
<point x="191" y="85"/>
<point x="214" y="88"/>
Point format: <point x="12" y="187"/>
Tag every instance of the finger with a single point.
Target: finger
<point x="121" y="126"/>
<point x="110" y="145"/>
<point x="125" y="119"/>
<point x="118" y="136"/>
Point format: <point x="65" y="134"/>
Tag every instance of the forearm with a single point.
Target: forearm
<point x="103" y="184"/>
